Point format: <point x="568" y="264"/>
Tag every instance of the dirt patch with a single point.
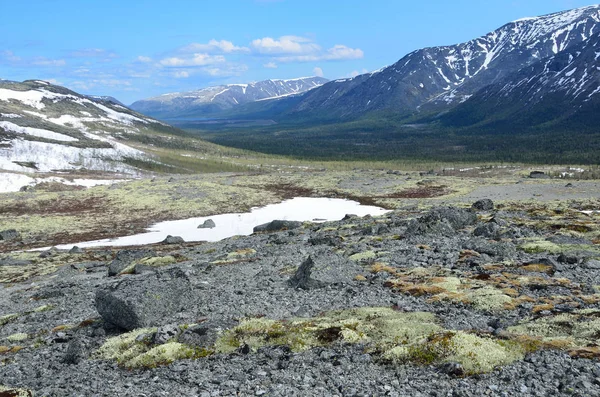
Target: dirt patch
<point x="55" y="206"/>
<point x="421" y="192"/>
<point x="289" y="191"/>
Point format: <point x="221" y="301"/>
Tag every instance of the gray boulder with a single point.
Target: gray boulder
<point x="8" y="235"/>
<point x="124" y="258"/>
<point x="538" y="175"/>
<point x="483" y="205"/>
<point x="173" y="240"/>
<point x="74" y="352"/>
<point x="205" y="334"/>
<point x="301" y="279"/>
<point x="488" y="230"/>
<point x="144" y="300"/>
<point x="277" y="225"/>
<point x="442" y="220"/>
<point x="208" y="224"/>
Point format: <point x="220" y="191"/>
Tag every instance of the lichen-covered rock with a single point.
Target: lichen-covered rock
<point x="277" y="225"/>
<point x="125" y="258"/>
<point x="8" y="235"/>
<point x="442" y="220"/>
<point x="144" y="300"/>
<point x="6" y="391"/>
<point x="483" y="205"/>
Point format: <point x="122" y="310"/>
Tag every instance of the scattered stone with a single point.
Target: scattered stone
<point x="76" y="250"/>
<point x="592" y="264"/>
<point x="483" y="205"/>
<point x="144" y="300"/>
<point x="125" y="258"/>
<point x="9" y="235"/>
<point x="301" y="279"/>
<point x="452" y="369"/>
<point x="442" y="220"/>
<point x="166" y="333"/>
<point x="277" y="225"/>
<point x="208" y="224"/>
<point x="173" y="240"/>
<point x="14" y="392"/>
<point x="538" y="175"/>
<point x="74" y="352"/>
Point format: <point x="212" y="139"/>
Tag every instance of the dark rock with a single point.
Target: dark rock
<point x="561" y="239"/>
<point x="569" y="185"/>
<point x="8" y="235"/>
<point x="349" y="216"/>
<point x="333" y="241"/>
<point x="488" y="230"/>
<point x="301" y="279"/>
<point x="592" y="264"/>
<point x="496" y="249"/>
<point x="208" y="224"/>
<point x="277" y="225"/>
<point x="74" y="352"/>
<point x="14" y="262"/>
<point x="173" y="240"/>
<point x="14" y="392"/>
<point x="538" y="175"/>
<point x="442" y="220"/>
<point x="569" y="259"/>
<point x="124" y="258"/>
<point x="452" y="369"/>
<point x="204" y="334"/>
<point x="48" y="253"/>
<point x="165" y="333"/>
<point x="145" y="300"/>
<point x="483" y="205"/>
<point x="76" y="250"/>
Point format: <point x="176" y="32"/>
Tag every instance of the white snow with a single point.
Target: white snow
<point x="10" y="115"/>
<point x="227" y="225"/>
<point x="38" y="132"/>
<point x="13" y="182"/>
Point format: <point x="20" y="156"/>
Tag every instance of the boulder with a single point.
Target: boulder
<point x="483" y="205"/>
<point x="538" y="175"/>
<point x="488" y="230"/>
<point x="8" y="235"/>
<point x="204" y="335"/>
<point x="173" y="240"/>
<point x="208" y="224"/>
<point x="145" y="300"/>
<point x="301" y="279"/>
<point x="124" y="258"/>
<point x="74" y="352"/>
<point x="6" y="391"/>
<point x="277" y="225"/>
<point x="442" y="220"/>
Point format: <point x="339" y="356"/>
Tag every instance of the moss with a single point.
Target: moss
<point x="18" y="337"/>
<point x="539" y="246"/>
<point x="43" y="308"/>
<point x="124" y="347"/>
<point x="8" y="318"/>
<point x="161" y="355"/>
<point x="489" y="298"/>
<point x="158" y="261"/>
<point x="363" y="256"/>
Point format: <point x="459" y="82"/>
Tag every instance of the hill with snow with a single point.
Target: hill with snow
<point x="210" y="101"/>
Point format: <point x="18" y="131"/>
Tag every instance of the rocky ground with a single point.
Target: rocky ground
<point x="444" y="296"/>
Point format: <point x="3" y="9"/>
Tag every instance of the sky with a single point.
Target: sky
<point x="133" y="49"/>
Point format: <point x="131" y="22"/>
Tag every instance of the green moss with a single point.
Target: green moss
<point x="539" y="246"/>
<point x="124" y="348"/>
<point x="158" y="261"/>
<point x="19" y="337"/>
<point x="161" y="355"/>
<point x="489" y="298"/>
<point x="363" y="256"/>
<point x="43" y="308"/>
<point x="8" y="318"/>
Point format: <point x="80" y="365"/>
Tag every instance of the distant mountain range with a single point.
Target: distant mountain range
<point x="47" y="128"/>
<point x="210" y="101"/>
<point x="537" y="79"/>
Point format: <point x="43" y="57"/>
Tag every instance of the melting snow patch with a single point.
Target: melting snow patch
<point x="38" y="132"/>
<point x="10" y="116"/>
<point x="227" y="225"/>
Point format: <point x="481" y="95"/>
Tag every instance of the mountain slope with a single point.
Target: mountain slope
<point x="564" y="88"/>
<point x="439" y="78"/>
<point x="212" y="100"/>
<point x="46" y="128"/>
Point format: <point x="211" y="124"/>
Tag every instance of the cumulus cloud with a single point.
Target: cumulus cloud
<point x="144" y="59"/>
<point x="318" y="72"/>
<point x="195" y="60"/>
<point x="181" y="74"/>
<point x="270" y="65"/>
<point x="215" y="46"/>
<point x="336" y="53"/>
<point x="49" y="62"/>
<point x="285" y="45"/>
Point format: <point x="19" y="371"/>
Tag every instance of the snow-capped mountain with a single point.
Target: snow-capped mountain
<point x="44" y="128"/>
<point x="439" y="78"/>
<point x="211" y="100"/>
<point x="557" y="88"/>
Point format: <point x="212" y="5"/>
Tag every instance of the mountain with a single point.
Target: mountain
<point x="45" y="128"/>
<point x="439" y="78"/>
<point x="212" y="100"/>
<point x="562" y="89"/>
<point x="105" y="98"/>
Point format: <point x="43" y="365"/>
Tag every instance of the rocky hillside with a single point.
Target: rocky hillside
<point x="44" y="128"/>
<point x="439" y="78"/>
<point x="209" y="101"/>
<point x="480" y="301"/>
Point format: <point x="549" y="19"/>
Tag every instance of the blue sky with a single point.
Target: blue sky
<point x="134" y="49"/>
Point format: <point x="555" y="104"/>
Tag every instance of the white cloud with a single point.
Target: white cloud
<point x="144" y="59"/>
<point x="195" y="60"/>
<point x="318" y="72"/>
<point x="93" y="53"/>
<point x="10" y="56"/>
<point x="215" y="46"/>
<point x="355" y="73"/>
<point x="270" y="65"/>
<point x="336" y="53"/>
<point x="225" y="70"/>
<point x="285" y="45"/>
<point x="49" y="62"/>
<point x="181" y="74"/>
